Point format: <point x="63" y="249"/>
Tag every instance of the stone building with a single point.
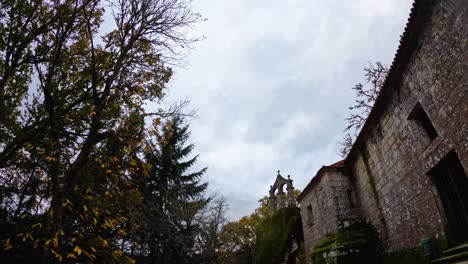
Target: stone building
<point x="407" y="171"/>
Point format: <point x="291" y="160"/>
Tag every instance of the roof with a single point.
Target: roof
<point x="316" y="179"/>
<point x="339" y="164"/>
<point x="408" y="42"/>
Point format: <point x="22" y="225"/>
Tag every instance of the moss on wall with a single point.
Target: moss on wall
<point x="357" y="243"/>
<point x="274" y="235"/>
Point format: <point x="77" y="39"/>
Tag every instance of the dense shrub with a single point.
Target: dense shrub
<point x="357" y="243"/>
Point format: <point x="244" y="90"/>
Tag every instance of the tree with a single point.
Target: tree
<point x="172" y="196"/>
<point x="366" y="95"/>
<point x="238" y="237"/>
<point x="211" y="220"/>
<point x="73" y="123"/>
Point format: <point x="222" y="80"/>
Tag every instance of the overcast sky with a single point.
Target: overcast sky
<point x="272" y="82"/>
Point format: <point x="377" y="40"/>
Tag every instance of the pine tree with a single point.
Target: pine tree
<point x="173" y="195"/>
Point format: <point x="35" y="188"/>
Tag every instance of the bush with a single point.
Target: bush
<point x="357" y="243"/>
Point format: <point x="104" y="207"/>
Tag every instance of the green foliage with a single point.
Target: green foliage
<point x="238" y="239"/>
<point x="357" y="243"/>
<point x="274" y="234"/>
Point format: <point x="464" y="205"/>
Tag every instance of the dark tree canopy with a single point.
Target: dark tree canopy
<point x="172" y="197"/>
<point x="73" y="121"/>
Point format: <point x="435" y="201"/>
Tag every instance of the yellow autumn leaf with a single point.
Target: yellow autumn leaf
<point x="122" y="232"/>
<point x="7" y="247"/>
<point x="90" y="256"/>
<point x="28" y="235"/>
<point x="39" y="225"/>
<point x="77" y="249"/>
<point x="104" y="243"/>
<point x="157" y="121"/>
<point x="57" y="255"/>
<point x="71" y="255"/>
<point x="55" y="242"/>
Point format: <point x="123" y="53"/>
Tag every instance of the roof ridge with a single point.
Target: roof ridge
<point x="417" y="9"/>
<point x="338" y="164"/>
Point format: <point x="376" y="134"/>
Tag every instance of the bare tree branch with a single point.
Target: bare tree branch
<point x="366" y="95"/>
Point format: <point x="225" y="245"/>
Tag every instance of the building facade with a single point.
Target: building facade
<point x="407" y="171"/>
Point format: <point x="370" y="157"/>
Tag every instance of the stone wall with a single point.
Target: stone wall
<point x="331" y="207"/>
<point x="390" y="167"/>
<point x="390" y="163"/>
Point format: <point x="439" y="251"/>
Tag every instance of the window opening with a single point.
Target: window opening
<point x="451" y="182"/>
<point x="351" y="200"/>
<point x="419" y="116"/>
<point x="309" y="215"/>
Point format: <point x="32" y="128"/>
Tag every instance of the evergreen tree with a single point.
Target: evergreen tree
<point x="172" y="196"/>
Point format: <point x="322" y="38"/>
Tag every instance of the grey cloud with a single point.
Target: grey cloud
<point x="271" y="84"/>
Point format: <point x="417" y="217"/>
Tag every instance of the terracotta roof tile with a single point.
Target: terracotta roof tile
<point x="339" y="164"/>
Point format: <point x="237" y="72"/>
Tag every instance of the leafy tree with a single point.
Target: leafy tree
<point x="238" y="237"/>
<point x="366" y="95"/>
<point x="73" y="122"/>
<point x="212" y="219"/>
